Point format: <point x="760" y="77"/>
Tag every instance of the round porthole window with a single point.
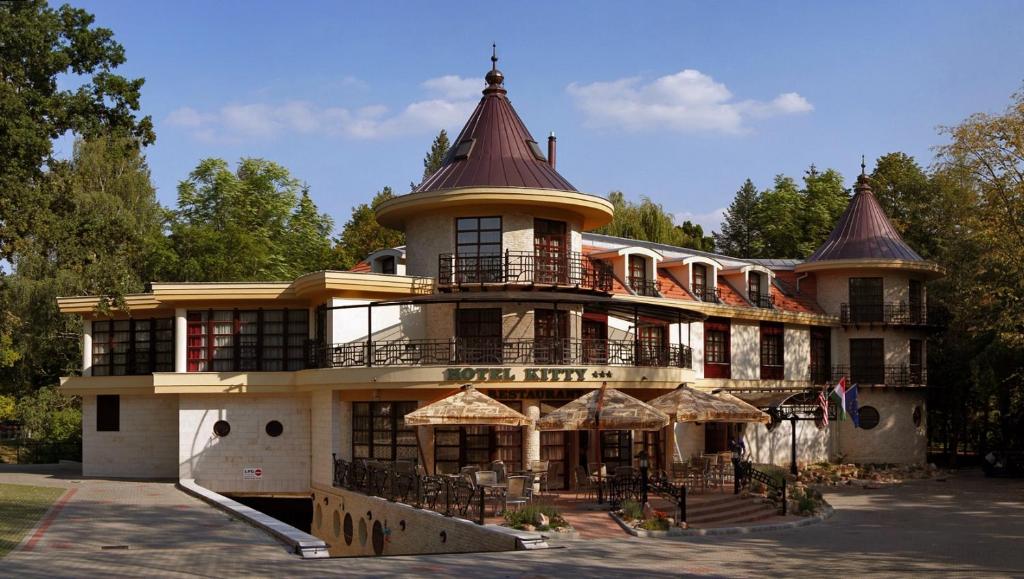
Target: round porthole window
<point x="221" y="428"/>
<point x="348" y="529"/>
<point x="274" y="428"/>
<point x="362" y="532"/>
<point x="868" y="417"/>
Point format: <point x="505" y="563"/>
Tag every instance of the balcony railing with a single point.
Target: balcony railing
<point x="761" y="299"/>
<point x="645" y="287"/>
<point x="889" y="375"/>
<point x="497" y="351"/>
<point x="820" y="374"/>
<point x="706" y="293"/>
<point x="568" y="269"/>
<point x="895" y="314"/>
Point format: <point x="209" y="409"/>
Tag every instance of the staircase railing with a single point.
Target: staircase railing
<point x="746" y="473"/>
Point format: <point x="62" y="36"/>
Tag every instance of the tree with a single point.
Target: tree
<point x="908" y="196"/>
<point x="778" y="214"/>
<point x="249" y="224"/>
<point x="49" y="415"/>
<point x="741" y="234"/>
<point x="823" y="200"/>
<point x="435" y="156"/>
<point x="694" y="238"/>
<point x="38" y="44"/>
<point x="362" y="235"/>
<point x="648" y="221"/>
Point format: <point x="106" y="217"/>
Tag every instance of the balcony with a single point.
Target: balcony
<point x="645" y="287"/>
<point x="705" y="293"/>
<point x="887" y="375"/>
<point x="890" y="314"/>
<point x="499" y="352"/>
<point x="761" y="299"/>
<point x="567" y="269"/>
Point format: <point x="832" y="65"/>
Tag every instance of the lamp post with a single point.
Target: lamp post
<point x="644" y="464"/>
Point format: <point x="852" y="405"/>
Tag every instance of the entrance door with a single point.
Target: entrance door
<point x="652" y="345"/>
<point x="550" y="250"/>
<point x="550" y="334"/>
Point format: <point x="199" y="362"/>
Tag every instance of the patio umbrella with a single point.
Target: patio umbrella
<point x="686" y="404"/>
<point x="604" y="409"/>
<point x="467" y="407"/>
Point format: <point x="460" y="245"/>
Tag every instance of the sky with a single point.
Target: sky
<point x="677" y="101"/>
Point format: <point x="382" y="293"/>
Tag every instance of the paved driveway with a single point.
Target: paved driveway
<point x="968" y="526"/>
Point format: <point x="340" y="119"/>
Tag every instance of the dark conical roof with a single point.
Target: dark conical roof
<point x="495" y="149"/>
<point x="864" y="232"/>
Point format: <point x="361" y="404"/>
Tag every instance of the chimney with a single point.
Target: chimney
<point x="552" y="141"/>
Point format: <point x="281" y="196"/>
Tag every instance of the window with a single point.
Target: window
<point x="221" y="428"/>
<point x="716" y="348"/>
<point x="772" y="351"/>
<point x="387" y="264"/>
<point x="535" y="149"/>
<point x="868" y="416"/>
<point x="464" y="149"/>
<point x="652" y="342"/>
<point x="616" y="448"/>
<point x="637" y="268"/>
<point x="754" y="286"/>
<point x="478" y="250"/>
<point x="866" y="302"/>
<point x="867" y="361"/>
<point x="379" y="431"/>
<point x="916" y="299"/>
<point x="247" y="340"/>
<point x="551" y="336"/>
<point x="700" y="283"/>
<point x="108" y="413"/>
<point x="821" y="355"/>
<point x="478" y="335"/>
<point x="550" y="248"/>
<point x="132" y="347"/>
<point x="916" y="362"/>
<point x="459" y="446"/>
<point x="274" y="428"/>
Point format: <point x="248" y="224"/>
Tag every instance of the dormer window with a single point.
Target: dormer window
<point x="387" y="264"/>
<point x="535" y="149"/>
<point x="703" y="287"/>
<point x="758" y="290"/>
<point x="464" y="149"/>
<point x="639" y="281"/>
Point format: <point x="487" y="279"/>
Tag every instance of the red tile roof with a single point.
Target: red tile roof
<point x="496" y="151"/>
<point x="730" y="296"/>
<point x="671" y="288"/>
<point x="362" y="267"/>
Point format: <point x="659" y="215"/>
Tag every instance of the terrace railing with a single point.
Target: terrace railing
<point x="908" y="375"/>
<point x="450" y="495"/>
<point x="645" y="287"/>
<point x="706" y="293"/>
<point x="746" y="473"/>
<point x="890" y="313"/>
<point x="498" y="351"/>
<point x="563" y="269"/>
<point x="761" y="299"/>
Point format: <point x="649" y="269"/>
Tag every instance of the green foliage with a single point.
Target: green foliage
<point x="362" y="235"/>
<point x="435" y="156"/>
<point x="37" y="45"/>
<point x="655" y="524"/>
<point x="527" y="515"/>
<point x="48" y="415"/>
<point x="7" y="407"/>
<point x="249" y="224"/>
<point x="632" y="510"/>
<point x="648" y="221"/>
<point x="740" y="234"/>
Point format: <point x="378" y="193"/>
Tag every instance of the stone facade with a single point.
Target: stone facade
<point x="143" y="447"/>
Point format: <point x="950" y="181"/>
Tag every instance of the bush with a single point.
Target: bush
<point x="632" y="511"/>
<point x="527" y="515"/>
<point x="655" y="524"/>
<point x="49" y="415"/>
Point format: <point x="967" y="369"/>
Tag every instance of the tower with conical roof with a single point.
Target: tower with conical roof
<point x="875" y="284"/>
<point x="495" y="169"/>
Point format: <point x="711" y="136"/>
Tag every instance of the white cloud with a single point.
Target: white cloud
<point x="687" y="101"/>
<point x="710" y="221"/>
<point x="241" y="121"/>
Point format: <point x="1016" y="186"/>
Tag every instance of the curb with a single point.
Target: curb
<point x="303" y="544"/>
<point x="676" y="532"/>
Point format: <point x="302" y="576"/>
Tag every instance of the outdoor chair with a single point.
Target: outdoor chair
<point x="679" y="471"/>
<point x="518" y="492"/>
<point x="488" y="481"/>
<point x="539" y="468"/>
<point x="499" y="468"/>
<point x="470" y="470"/>
<point x="553" y="474"/>
<point x="584" y="484"/>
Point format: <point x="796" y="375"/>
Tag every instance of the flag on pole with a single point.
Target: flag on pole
<point x="840" y="394"/>
<point x="851" y="405"/>
<point x="823" y="402"/>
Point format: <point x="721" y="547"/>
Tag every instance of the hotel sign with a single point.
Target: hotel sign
<point x="528" y="375"/>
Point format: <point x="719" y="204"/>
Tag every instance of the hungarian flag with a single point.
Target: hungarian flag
<point x="839" y="393"/>
<point x="851" y="405"/>
<point x="823" y="402"/>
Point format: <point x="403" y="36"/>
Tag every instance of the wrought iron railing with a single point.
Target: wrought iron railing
<point x="820" y="374"/>
<point x="761" y="299"/>
<point x="706" y="293"/>
<point x="450" y="495"/>
<point x="629" y="486"/>
<point x="568" y="269"/>
<point x="645" y="287"/>
<point x="497" y="351"/>
<point x="745" y="473"/>
<point x="909" y="375"/>
<point x="895" y="314"/>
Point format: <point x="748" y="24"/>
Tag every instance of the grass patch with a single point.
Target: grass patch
<point x="21" y="507"/>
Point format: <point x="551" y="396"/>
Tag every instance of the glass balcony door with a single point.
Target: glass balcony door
<point x="551" y="252"/>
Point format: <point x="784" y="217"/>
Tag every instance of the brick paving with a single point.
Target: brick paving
<point x="966" y="526"/>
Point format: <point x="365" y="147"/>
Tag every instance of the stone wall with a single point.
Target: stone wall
<point x="354" y="525"/>
<point x="745" y="350"/>
<point x="217" y="463"/>
<point x="775" y="446"/>
<point x="144" y="447"/>
<point x="896" y="439"/>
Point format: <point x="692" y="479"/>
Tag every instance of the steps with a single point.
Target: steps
<point x="724" y="510"/>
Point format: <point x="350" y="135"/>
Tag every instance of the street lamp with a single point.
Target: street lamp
<point x="644" y="464"/>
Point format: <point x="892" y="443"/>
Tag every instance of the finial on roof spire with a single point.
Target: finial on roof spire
<point x="863" y="167"/>
<point x="494" y="77"/>
<point x="862" y="180"/>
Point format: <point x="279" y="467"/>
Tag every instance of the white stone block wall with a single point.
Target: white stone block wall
<point x="325" y="416"/>
<point x="217" y="463"/>
<point x="775" y="446"/>
<point x="896" y="439"/>
<point x="745" y="350"/>
<point x="144" y="447"/>
<point x="697" y="343"/>
<point x="797" y="352"/>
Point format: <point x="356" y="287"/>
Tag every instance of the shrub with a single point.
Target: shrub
<point x="631" y="510"/>
<point x="656" y="524"/>
<point x="527" y="515"/>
